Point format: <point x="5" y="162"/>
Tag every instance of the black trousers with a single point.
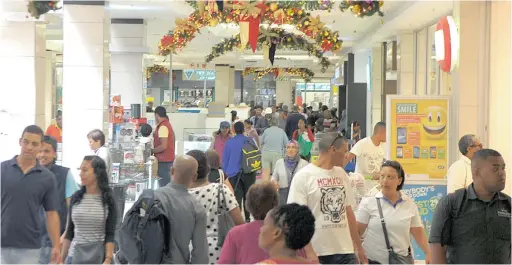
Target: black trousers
<point x="241" y="184"/>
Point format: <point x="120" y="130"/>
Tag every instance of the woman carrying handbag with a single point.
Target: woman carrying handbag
<point x="219" y="202"/>
<point x="389" y="219"/>
<point x="92" y="217"/>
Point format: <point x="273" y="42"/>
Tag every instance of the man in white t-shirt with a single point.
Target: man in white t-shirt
<point x="326" y="190"/>
<point x="370" y="153"/>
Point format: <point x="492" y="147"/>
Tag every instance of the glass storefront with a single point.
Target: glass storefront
<point x="314" y="93"/>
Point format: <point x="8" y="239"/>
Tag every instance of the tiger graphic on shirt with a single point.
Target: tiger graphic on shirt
<point x="332" y="203"/>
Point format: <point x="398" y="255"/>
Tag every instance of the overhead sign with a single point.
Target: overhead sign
<point x="195" y="75"/>
<point x="447" y="43"/>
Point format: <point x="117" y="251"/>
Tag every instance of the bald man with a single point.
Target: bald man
<point x="187" y="216"/>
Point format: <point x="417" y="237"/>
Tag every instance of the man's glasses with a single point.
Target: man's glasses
<point x="477" y="145"/>
<point x="338" y="136"/>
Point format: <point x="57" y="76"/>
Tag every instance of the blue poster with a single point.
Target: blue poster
<point x="426" y="197"/>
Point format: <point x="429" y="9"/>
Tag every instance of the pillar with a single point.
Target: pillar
<point x="500" y="111"/>
<point x="86" y="60"/>
<point x="128" y="45"/>
<point x="22" y="80"/>
<point x="284" y="90"/>
<point x="406" y="63"/>
<point x="224" y="90"/>
<point x="377" y="67"/>
<point x="50" y="88"/>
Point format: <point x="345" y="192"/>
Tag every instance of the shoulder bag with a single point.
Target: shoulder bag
<point x="225" y="222"/>
<point x="92" y="252"/>
<point x="394" y="258"/>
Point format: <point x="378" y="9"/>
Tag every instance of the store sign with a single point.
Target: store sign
<point x="447" y="43"/>
<point x="195" y="75"/>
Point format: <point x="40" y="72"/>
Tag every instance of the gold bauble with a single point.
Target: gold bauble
<point x="214" y="22"/>
<point x="300" y="12"/>
<point x="289" y="12"/>
<point x="326" y="33"/>
<point x="306" y="23"/>
<point x="273" y="7"/>
<point x="356" y="9"/>
<point x="381" y="3"/>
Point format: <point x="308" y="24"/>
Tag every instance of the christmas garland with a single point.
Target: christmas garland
<point x="273" y="39"/>
<point x="156" y="69"/>
<point x="258" y="73"/>
<point x="39" y="8"/>
<point x="266" y="12"/>
<point x="363" y="8"/>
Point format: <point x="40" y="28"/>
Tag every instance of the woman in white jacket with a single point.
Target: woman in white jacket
<point x="286" y="168"/>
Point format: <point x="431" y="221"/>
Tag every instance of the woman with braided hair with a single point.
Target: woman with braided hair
<point x="285" y="230"/>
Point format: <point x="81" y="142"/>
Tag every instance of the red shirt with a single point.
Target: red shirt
<point x="54" y="131"/>
<point x="168" y="154"/>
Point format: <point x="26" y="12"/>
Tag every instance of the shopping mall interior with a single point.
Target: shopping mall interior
<point x="433" y="71"/>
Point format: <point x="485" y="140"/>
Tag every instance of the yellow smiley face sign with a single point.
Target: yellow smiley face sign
<point x="434" y="123"/>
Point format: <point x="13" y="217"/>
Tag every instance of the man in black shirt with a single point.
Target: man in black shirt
<point x="472" y="225"/>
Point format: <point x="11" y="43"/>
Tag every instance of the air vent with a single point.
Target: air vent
<point x="251" y="61"/>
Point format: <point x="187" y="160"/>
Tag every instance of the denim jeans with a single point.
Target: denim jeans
<point x="45" y="255"/>
<point x="69" y="260"/>
<point x="19" y="256"/>
<point x="338" y="259"/>
<point x="164" y="172"/>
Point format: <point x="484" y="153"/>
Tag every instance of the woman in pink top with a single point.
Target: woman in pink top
<point x="240" y="245"/>
<point x="220" y="138"/>
<point x="286" y="230"/>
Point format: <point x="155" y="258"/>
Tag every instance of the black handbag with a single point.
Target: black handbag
<point x="394" y="258"/>
<point x="90" y="253"/>
<point x="225" y="222"/>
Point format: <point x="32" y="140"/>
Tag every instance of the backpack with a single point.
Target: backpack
<point x="144" y="236"/>
<point x="251" y="157"/>
<point x="455" y="201"/>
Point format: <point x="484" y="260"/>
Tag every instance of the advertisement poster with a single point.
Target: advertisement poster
<point x="418" y="134"/>
<point x="426" y="197"/>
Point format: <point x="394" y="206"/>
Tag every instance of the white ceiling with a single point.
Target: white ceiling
<point x="357" y="33"/>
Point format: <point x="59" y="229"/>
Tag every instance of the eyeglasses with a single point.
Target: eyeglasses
<point x="477" y="145"/>
<point x="338" y="136"/>
<point x="393" y="164"/>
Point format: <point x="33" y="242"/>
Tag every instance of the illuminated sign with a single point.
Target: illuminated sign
<point x="194" y="75"/>
<point x="447" y="43"/>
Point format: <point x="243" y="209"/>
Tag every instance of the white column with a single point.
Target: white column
<point x="500" y="95"/>
<point x="50" y="88"/>
<point x="223" y="87"/>
<point x="231" y="92"/>
<point x="376" y="99"/>
<point x="284" y="91"/>
<point x="406" y="64"/>
<point x="127" y="49"/>
<point x="22" y="80"/>
<point x="85" y="95"/>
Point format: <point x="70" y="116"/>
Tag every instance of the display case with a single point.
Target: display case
<point x="197" y="138"/>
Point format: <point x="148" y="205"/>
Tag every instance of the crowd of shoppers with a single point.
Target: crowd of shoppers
<point x="302" y="213"/>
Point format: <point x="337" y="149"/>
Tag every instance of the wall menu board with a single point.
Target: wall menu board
<point x="417" y="134"/>
<point x="426" y="198"/>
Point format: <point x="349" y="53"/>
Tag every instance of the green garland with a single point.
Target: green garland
<point x="284" y="40"/>
<point x="39" y="8"/>
<point x="363" y="8"/>
<point x="305" y="5"/>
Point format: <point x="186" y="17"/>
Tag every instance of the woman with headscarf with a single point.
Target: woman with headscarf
<point x="286" y="168"/>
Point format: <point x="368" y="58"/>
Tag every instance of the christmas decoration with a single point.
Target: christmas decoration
<point x="273" y="38"/>
<point x="156" y="69"/>
<point x="362" y="8"/>
<point x="256" y="12"/>
<point x="258" y="73"/>
<point x="39" y="8"/>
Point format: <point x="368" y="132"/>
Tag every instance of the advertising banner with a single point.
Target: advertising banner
<point x="426" y="197"/>
<point x="417" y="134"/>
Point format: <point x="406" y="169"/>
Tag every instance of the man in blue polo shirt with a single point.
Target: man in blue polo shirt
<point x="66" y="186"/>
<point x="232" y="166"/>
<point x="26" y="186"/>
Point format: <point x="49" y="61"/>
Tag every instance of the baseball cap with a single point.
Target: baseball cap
<point x="224" y="124"/>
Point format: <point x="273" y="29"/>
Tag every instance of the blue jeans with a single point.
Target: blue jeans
<point x="338" y="259"/>
<point x="19" y="256"/>
<point x="164" y="172"/>
<point x="45" y="255"/>
<point x="69" y="260"/>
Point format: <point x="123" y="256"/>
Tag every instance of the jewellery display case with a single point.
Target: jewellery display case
<point x="197" y="138"/>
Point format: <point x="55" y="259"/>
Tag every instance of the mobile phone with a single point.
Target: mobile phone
<point x="433" y="152"/>
<point x="399" y="152"/>
<point x="401" y="133"/>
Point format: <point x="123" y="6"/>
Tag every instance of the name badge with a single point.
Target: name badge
<point x="503" y="213"/>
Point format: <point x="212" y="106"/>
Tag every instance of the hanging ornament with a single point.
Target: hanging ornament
<point x="220" y="5"/>
<point x="200" y="7"/>
<point x="254" y="31"/>
<point x="279" y="16"/>
<point x="266" y="53"/>
<point x="212" y="7"/>
<point x="244" y="34"/>
<point x="276" y="72"/>
<point x="272" y="52"/>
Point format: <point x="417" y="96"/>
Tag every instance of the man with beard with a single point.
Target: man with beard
<point x="66" y="186"/>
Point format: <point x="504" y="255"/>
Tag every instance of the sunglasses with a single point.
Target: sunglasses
<point x="338" y="136"/>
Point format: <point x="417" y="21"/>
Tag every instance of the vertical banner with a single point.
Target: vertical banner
<point x="417" y="134"/>
<point x="426" y="197"/>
